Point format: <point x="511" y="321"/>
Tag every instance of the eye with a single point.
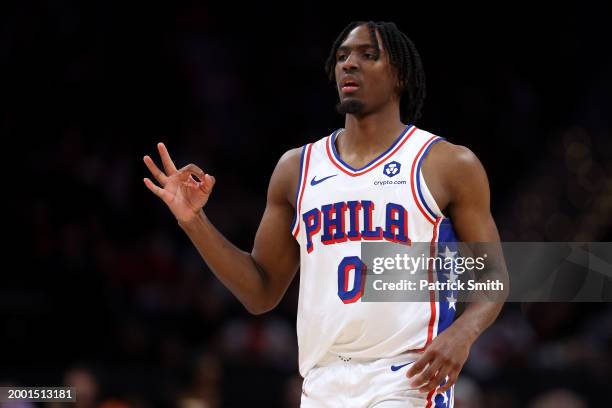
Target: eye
<point x="369" y="55"/>
<point x="341" y="57"/>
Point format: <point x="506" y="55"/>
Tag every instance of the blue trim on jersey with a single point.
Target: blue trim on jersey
<point x="297" y="193"/>
<point x="337" y="156"/>
<point x="446" y="238"/>
<point x="439" y="399"/>
<point x="418" y="177"/>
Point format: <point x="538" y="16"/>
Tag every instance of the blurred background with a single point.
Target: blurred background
<point x="101" y="289"/>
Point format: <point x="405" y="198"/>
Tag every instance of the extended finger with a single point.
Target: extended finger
<point x="434" y="382"/>
<point x="157" y="173"/>
<point x="420" y="364"/>
<point x="166" y="160"/>
<point x="452" y="377"/>
<point x="426" y="375"/>
<point x="160" y="192"/>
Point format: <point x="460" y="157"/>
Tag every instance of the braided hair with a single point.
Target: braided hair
<point x="403" y="55"/>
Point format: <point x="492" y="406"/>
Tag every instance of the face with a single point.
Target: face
<point x="365" y="80"/>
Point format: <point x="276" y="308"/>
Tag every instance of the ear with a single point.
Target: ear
<point x="399" y="84"/>
<point x="402" y="84"/>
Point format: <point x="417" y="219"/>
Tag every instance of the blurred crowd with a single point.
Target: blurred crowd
<point x="103" y="292"/>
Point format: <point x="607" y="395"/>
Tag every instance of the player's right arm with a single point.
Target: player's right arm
<point x="260" y="278"/>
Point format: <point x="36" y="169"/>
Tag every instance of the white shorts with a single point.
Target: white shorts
<point x="338" y="381"/>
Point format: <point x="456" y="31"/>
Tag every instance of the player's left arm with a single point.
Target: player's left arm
<point x="464" y="189"/>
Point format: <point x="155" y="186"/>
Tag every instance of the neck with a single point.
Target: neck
<point x="372" y="133"/>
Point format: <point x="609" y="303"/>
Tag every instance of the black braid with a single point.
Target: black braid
<point x="403" y="55"/>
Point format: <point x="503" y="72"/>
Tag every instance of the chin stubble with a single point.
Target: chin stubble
<point x="351" y="106"/>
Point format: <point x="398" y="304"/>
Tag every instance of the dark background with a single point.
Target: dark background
<point x="102" y="290"/>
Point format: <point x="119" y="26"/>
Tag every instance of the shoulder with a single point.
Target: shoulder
<point x="286" y="175"/>
<point x="283" y="183"/>
<point x="459" y="171"/>
<point x="291" y="157"/>
<point x="456" y="170"/>
<point x="453" y="157"/>
<point x="289" y="162"/>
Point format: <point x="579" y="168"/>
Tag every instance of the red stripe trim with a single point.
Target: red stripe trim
<point x="381" y="160"/>
<point x="412" y="186"/>
<point x="429" y="402"/>
<point x="432" y="296"/>
<point x="302" y="188"/>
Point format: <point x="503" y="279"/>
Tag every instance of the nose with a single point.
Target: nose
<point x="350" y="63"/>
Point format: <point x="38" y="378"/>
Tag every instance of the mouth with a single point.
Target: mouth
<point x="349" y="85"/>
<point x="347" y="89"/>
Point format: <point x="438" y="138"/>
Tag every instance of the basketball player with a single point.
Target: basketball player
<point x="323" y="201"/>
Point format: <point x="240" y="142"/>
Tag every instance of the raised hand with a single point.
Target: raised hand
<point x="184" y="191"/>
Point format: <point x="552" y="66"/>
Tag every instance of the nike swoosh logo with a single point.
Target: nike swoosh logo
<point x="395" y="368"/>
<point x="314" y="182"/>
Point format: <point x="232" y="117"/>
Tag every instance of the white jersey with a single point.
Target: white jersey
<point x="337" y="207"/>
